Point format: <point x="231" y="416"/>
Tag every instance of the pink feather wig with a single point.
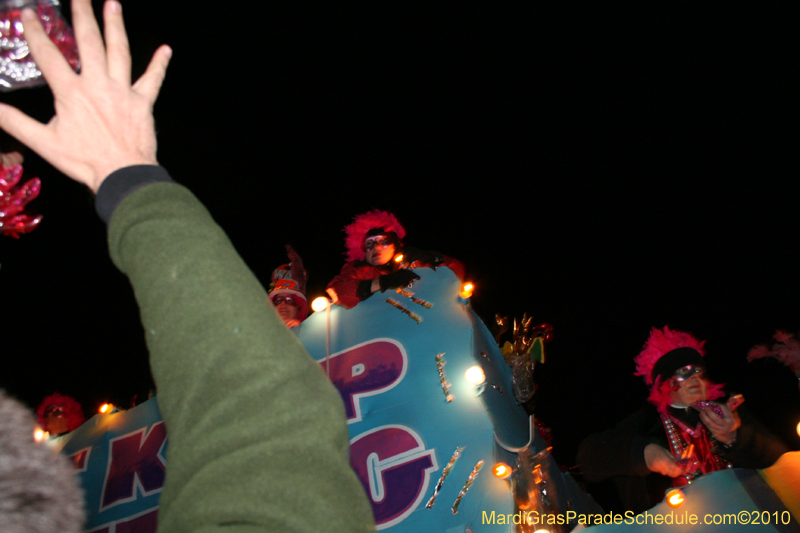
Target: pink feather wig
<point x="660" y="343"/>
<point x="357" y="231"/>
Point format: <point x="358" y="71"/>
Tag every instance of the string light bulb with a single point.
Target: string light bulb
<point x="398" y="258"/>
<point x="106" y="408"/>
<point x="39" y="435"/>
<point x="675" y="498"/>
<point x="466" y="289"/>
<point x="320" y="303"/>
<point x="475" y="375"/>
<point x="501" y="470"/>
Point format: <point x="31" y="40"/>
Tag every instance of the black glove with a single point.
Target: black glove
<point x="396" y="280"/>
<point x="429" y="257"/>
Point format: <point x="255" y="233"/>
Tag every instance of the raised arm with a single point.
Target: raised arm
<point x="257" y="434"/>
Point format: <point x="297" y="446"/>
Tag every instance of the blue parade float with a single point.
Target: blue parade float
<point x="428" y="444"/>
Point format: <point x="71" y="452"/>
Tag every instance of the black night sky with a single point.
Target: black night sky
<point x="603" y="169"/>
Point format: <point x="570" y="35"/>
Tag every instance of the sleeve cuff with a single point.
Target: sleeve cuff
<point x="121" y="183"/>
<point x="364" y="290"/>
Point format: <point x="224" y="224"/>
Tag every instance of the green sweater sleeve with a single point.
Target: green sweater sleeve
<point x="257" y="434"/>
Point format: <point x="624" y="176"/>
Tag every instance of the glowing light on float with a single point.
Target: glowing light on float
<point x="475" y="376"/>
<point x="466" y="289"/>
<point x="320" y="303"/>
<point x="106" y="408"/>
<point x="398" y="258"/>
<point x="501" y="470"/>
<point x="675" y="498"/>
<point x="39" y="435"/>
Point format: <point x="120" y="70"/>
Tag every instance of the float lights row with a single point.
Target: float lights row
<point x="675" y="498"/>
<point x="320" y="303"/>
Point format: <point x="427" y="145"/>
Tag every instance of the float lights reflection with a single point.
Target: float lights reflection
<point x="501" y="470"/>
<point x="106" y="408"/>
<point x="675" y="498"/>
<point x="39" y="435"/>
<point x="475" y="376"/>
<point x="320" y="303"/>
<point x="466" y="289"/>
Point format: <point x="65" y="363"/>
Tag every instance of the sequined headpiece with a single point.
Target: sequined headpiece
<point x="288" y="280"/>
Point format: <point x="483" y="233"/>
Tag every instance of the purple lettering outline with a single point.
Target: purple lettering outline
<point x="375" y="484"/>
<point x="137" y="484"/>
<point x="357" y="397"/>
<point x="111" y="527"/>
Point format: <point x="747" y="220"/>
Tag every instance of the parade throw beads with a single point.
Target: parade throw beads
<point x="17" y="67"/>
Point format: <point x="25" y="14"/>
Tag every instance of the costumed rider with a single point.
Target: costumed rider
<point x="378" y="261"/>
<point x="288" y="290"/>
<point x="686" y="430"/>
<point x="59" y="414"/>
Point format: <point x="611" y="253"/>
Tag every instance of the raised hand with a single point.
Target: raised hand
<point x="722" y="428"/>
<point x="102" y="122"/>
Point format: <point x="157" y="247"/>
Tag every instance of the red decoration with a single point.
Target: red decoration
<point x="13" y="199"/>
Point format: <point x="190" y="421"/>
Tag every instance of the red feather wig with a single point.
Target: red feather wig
<point x="73" y="413"/>
<point x="357" y="231"/>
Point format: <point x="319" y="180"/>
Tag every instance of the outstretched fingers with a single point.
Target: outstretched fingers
<point x="118" y="54"/>
<point x="149" y="84"/>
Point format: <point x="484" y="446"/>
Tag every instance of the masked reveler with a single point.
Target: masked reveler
<point x="288" y="290"/>
<point x="688" y="428"/>
<point x="374" y="242"/>
<point x="58" y="414"/>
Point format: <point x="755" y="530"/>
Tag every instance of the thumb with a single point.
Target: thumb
<point x="149" y="84"/>
<point x="26" y="130"/>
